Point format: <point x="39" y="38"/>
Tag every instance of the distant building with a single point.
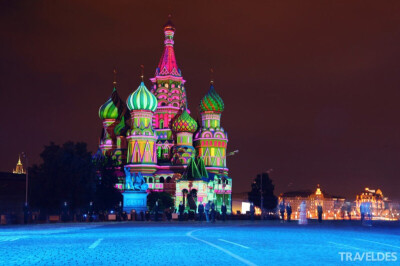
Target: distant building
<point x="237" y="202"/>
<point x="19" y="169"/>
<point x="331" y="204"/>
<point x="380" y="204"/>
<point x="12" y="196"/>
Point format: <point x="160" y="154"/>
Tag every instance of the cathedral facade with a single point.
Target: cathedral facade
<point x="153" y="134"/>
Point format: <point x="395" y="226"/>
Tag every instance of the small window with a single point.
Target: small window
<point x="168" y="179"/>
<point x="162" y="179"/>
<point x="150" y="180"/>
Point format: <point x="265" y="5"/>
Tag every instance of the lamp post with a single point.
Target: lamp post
<point x="262" y="198"/>
<point x="26" y="178"/>
<point x="223" y="178"/>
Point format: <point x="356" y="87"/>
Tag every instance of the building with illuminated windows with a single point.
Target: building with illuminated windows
<point x="154" y="133"/>
<point x="331" y="205"/>
<point x="378" y="202"/>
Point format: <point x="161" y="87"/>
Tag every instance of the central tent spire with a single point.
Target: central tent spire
<point x="167" y="65"/>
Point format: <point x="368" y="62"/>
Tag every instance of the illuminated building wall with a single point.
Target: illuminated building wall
<point x="160" y="138"/>
<point x="375" y="197"/>
<point x="331" y="205"/>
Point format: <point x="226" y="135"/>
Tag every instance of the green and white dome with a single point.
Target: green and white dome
<point x="142" y="99"/>
<point x="109" y="110"/>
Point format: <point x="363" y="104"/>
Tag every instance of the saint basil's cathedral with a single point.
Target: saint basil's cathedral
<point x="155" y="136"/>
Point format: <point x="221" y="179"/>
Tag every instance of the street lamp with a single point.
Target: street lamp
<point x="232" y="153"/>
<point x="26" y="178"/>
<point x="223" y="178"/>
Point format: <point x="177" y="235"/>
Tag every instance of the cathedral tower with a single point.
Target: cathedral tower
<point x="168" y="87"/>
<point x="114" y="115"/>
<point x="142" y="156"/>
<point x="183" y="126"/>
<point x="211" y="140"/>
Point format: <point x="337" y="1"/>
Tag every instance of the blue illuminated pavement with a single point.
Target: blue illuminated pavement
<point x="192" y="243"/>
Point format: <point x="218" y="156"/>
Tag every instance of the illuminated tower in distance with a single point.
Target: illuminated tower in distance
<point x="19" y="169"/>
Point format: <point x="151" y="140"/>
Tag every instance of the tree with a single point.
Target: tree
<point x="270" y="200"/>
<point x="106" y="195"/>
<point x="164" y="200"/>
<point x="69" y="175"/>
<point x="65" y="176"/>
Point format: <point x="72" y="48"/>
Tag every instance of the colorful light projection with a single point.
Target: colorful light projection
<point x="156" y="130"/>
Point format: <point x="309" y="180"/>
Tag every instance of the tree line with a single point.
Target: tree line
<point x="70" y="177"/>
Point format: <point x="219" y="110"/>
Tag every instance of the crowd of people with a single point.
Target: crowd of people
<point x="204" y="212"/>
<point x="365" y="212"/>
<point x="207" y="211"/>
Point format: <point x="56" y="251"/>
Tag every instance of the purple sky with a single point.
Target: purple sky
<point x="311" y="88"/>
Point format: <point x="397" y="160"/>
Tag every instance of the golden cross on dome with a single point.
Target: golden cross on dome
<point x="115" y="78"/>
<point x="142" y="76"/>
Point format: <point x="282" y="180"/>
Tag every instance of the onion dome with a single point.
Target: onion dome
<point x="142" y="99"/>
<point x="110" y="109"/>
<point x="184" y="123"/>
<point x="212" y="102"/>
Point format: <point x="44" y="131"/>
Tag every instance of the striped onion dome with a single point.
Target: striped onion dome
<point x="142" y="99"/>
<point x="212" y="101"/>
<point x="109" y="110"/>
<point x="184" y="123"/>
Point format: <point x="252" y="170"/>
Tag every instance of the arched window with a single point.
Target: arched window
<point x="165" y="152"/>
<point x="168" y="179"/>
<point x="159" y="152"/>
<point x="161" y="123"/>
<point x="162" y="179"/>
<point x="150" y="180"/>
<point x="145" y="179"/>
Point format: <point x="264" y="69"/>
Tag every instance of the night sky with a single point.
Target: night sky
<point x="311" y="88"/>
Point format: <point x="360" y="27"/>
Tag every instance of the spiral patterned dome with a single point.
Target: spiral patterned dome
<point x="212" y="101"/>
<point x="142" y="99"/>
<point x="110" y="109"/>
<point x="184" y="123"/>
